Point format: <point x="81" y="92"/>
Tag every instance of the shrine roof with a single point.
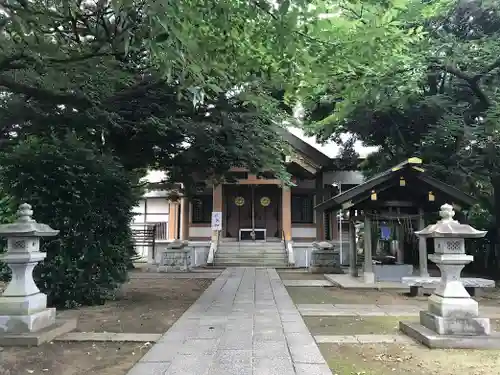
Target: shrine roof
<point x="411" y="168"/>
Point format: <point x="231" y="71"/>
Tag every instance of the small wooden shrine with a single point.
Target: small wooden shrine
<point x="387" y="209"/>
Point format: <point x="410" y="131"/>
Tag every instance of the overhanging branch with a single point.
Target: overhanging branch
<point x="468" y="78"/>
<point x="488" y="69"/>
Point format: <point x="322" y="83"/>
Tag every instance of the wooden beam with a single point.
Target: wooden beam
<point x="320" y="215"/>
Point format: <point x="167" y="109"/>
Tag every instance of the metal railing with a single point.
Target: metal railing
<point x="160" y="229"/>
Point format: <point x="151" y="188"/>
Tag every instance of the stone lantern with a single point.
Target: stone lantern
<point x="23" y="309"/>
<point x="452" y="318"/>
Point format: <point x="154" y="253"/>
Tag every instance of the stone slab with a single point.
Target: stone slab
<point x="432" y="340"/>
<point x="312" y="369"/>
<point x="349" y="282"/>
<point x="336" y="339"/>
<point x="37" y="338"/>
<point x="149" y="368"/>
<point x="359" y="310"/>
<point x="244" y="323"/>
<point x="433" y="282"/>
<point x="311" y="283"/>
<point x="109" y="337"/>
<point x="382" y="339"/>
<point x="362" y="339"/>
<point x="470" y="326"/>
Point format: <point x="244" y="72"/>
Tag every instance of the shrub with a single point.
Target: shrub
<point x="86" y="195"/>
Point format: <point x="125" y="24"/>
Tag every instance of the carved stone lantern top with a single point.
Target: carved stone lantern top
<point x="449" y="228"/>
<point x="26" y="226"/>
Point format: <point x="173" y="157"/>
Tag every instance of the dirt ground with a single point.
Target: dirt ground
<point x="384" y="359"/>
<point x="148" y="306"/>
<point x="365" y="325"/>
<point x="77" y="358"/>
<point x="334" y="295"/>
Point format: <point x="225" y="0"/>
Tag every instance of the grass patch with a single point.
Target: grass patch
<point x="385" y="359"/>
<point x="311" y="295"/>
<point x="362" y="325"/>
<point x="354" y="325"/>
<point x="297" y="275"/>
<point x="333" y="295"/>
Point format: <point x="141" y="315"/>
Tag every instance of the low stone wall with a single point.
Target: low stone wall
<point x="178" y="257"/>
<point x="325" y="260"/>
<point x="175" y="260"/>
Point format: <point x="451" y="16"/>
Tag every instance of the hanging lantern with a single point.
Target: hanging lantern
<point x="402" y="181"/>
<point x="432" y="198"/>
<point x="373" y="196"/>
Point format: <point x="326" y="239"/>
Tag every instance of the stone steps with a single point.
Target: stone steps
<point x="251" y="254"/>
<point x="253" y="264"/>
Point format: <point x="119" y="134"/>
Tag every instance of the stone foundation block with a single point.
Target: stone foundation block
<point x="27" y="323"/>
<point x="23" y="305"/>
<point x="60" y="327"/>
<point x="455" y="326"/>
<point x="432" y="340"/>
<point x="453" y="307"/>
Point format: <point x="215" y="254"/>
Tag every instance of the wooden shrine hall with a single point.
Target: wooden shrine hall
<point x="383" y="214"/>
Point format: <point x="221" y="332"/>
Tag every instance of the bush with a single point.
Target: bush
<point x="89" y="197"/>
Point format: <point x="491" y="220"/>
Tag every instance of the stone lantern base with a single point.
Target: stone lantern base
<point x="434" y="340"/>
<point x="452" y="321"/>
<point x="26" y="321"/>
<point x="60" y="327"/>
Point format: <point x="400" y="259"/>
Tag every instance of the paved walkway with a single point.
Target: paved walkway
<point x="379" y="310"/>
<point x="244" y="323"/>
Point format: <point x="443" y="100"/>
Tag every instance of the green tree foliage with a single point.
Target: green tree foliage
<point x="88" y="197"/>
<point x="155" y="84"/>
<point x="436" y="98"/>
<point x="192" y="88"/>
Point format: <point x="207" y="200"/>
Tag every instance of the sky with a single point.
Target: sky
<point x="330" y="149"/>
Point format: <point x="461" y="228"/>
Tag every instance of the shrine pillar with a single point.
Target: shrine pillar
<point x="368" y="275"/>
<point x="422" y="247"/>
<point x="353" y="271"/>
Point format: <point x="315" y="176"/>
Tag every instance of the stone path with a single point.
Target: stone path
<point x="244" y="323"/>
<point x="378" y="310"/>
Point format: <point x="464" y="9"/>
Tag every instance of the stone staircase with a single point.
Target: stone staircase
<point x="250" y="254"/>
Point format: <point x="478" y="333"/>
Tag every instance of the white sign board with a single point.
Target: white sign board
<point x="216" y="220"/>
